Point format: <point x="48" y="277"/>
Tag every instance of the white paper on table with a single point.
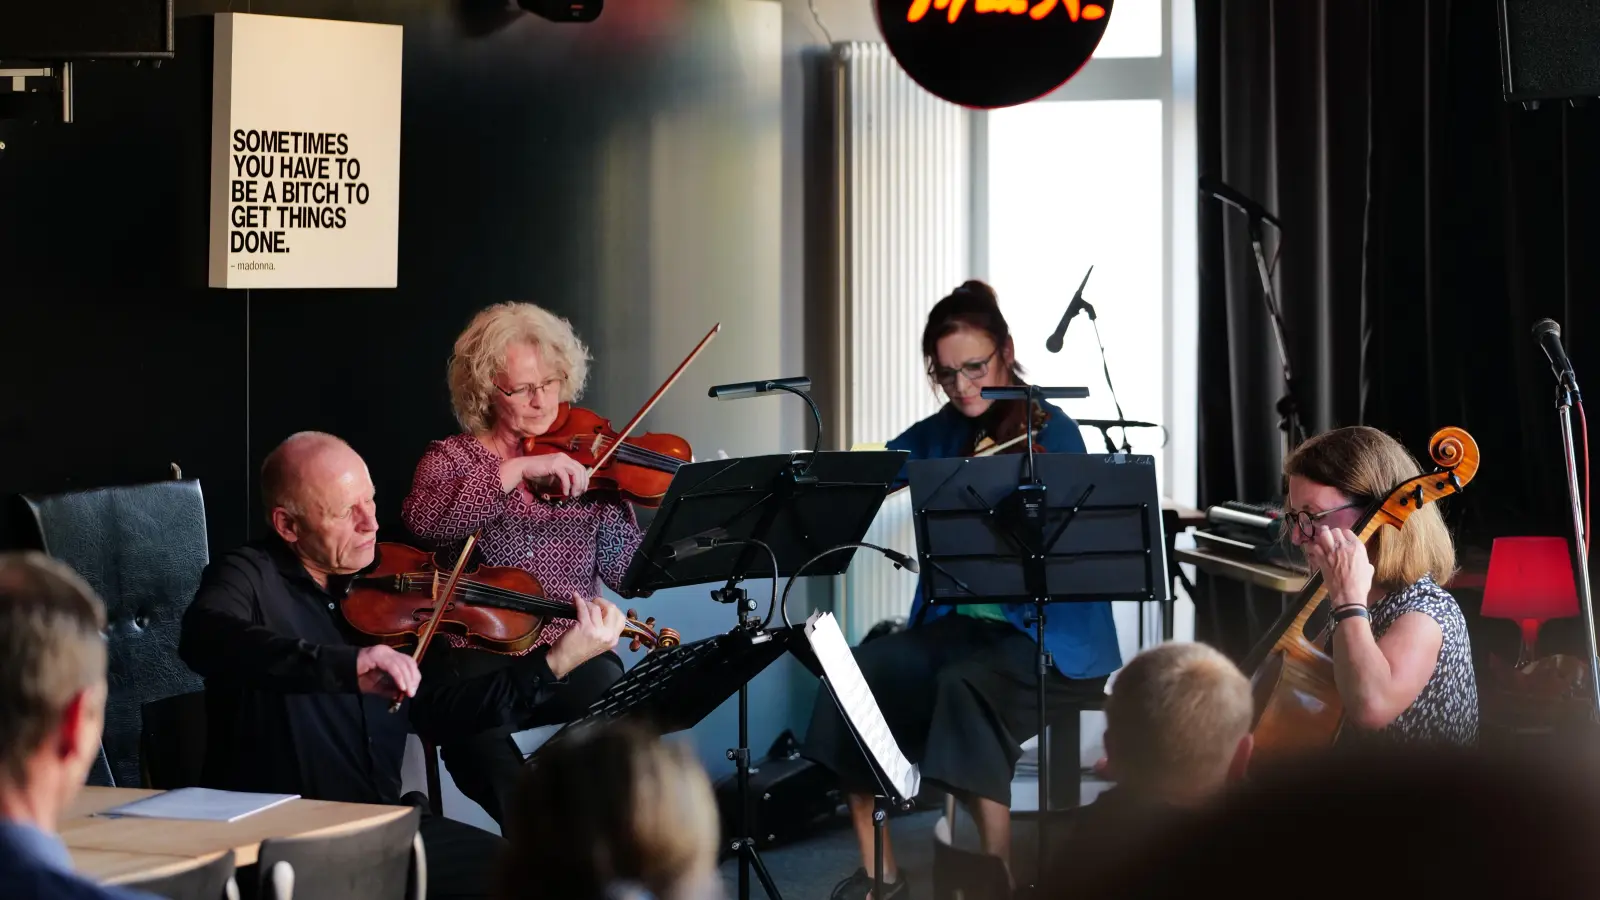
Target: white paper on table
<point x="860" y="707"/>
<point x="204" y="804"/>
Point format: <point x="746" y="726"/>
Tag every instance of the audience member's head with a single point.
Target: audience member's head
<point x="52" y="686"/>
<point x="611" y="814"/>
<point x="1386" y="823"/>
<point x="319" y="499"/>
<point x="1178" y="722"/>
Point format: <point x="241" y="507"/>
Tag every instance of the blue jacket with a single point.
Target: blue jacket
<point x="1082" y="637"/>
<point x="36" y="866"/>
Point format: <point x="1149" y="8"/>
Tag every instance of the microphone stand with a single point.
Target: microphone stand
<point x="1289" y="422"/>
<point x="1566" y="395"/>
<point x="1288" y="411"/>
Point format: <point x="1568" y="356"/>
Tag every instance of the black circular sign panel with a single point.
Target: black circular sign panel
<point x="991" y="53"/>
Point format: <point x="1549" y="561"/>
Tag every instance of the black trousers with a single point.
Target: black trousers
<point x="486" y="766"/>
<point x="959" y="694"/>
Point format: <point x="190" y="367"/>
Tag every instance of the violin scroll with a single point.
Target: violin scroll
<point x="645" y="633"/>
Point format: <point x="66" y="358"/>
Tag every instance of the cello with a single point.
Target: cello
<point x="1297" y="704"/>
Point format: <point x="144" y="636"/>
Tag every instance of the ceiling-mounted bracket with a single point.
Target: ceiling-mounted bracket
<point x="61" y="73"/>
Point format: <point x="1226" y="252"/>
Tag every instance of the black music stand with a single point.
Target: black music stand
<point x="1052" y="528"/>
<point x="718" y="522"/>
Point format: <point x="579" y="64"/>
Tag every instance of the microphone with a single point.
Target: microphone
<point x="1211" y="187"/>
<point x="1076" y="306"/>
<point x="1549" y="336"/>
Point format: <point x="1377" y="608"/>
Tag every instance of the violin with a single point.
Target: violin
<point x="1297" y="705"/>
<point x="638" y="468"/>
<point x="986" y="445"/>
<point x="501" y="609"/>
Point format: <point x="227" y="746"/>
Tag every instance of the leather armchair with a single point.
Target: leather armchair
<point x="142" y="548"/>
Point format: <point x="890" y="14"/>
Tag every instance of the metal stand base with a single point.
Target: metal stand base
<point x="745" y="845"/>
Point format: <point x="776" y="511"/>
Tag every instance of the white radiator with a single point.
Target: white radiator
<point x="905" y="209"/>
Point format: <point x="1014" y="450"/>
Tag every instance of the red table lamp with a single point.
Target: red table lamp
<point x="1530" y="580"/>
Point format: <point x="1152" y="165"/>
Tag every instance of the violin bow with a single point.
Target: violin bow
<point x="622" y="435"/>
<point x="425" y="637"/>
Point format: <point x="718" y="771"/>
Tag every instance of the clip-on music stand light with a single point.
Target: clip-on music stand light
<point x="796" y="504"/>
<point x="1039" y="529"/>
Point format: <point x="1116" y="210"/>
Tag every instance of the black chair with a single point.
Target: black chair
<point x="172" y="742"/>
<point x="211" y="880"/>
<point x="384" y="862"/>
<point x="142" y="548"/>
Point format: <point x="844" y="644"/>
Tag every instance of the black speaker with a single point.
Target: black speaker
<point x="1549" y="49"/>
<point x="86" y="29"/>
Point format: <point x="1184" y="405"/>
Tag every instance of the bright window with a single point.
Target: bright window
<point x="1097" y="202"/>
<point x="1102" y="172"/>
<point x="1134" y="30"/>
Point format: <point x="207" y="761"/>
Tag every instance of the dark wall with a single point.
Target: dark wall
<point x="629" y="174"/>
<point x="517" y="168"/>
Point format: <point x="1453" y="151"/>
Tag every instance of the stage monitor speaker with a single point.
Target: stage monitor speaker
<point x="67" y="30"/>
<point x="1549" y="49"/>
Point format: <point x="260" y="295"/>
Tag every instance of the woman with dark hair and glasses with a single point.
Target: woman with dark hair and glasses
<point x="1401" y="657"/>
<point x="957" y="687"/>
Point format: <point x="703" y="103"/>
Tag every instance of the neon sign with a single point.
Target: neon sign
<point x="1036" y="11"/>
<point x="986" y="54"/>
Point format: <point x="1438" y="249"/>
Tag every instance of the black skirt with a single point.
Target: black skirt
<point x="960" y="695"/>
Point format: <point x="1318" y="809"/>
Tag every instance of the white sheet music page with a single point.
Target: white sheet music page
<point x="200" y="803"/>
<point x="860" y="707"/>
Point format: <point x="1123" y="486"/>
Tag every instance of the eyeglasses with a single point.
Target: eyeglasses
<point x="542" y="387"/>
<point x="972" y="370"/>
<point x="1304" y="521"/>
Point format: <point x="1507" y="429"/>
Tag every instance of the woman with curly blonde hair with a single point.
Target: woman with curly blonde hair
<point x="514" y="368"/>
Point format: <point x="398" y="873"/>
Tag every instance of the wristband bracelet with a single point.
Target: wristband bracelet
<point x="1350" y="611"/>
<point x="1344" y="606"/>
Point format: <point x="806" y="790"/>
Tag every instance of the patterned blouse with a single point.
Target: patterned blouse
<point x="569" y="545"/>
<point x="1447" y="709"/>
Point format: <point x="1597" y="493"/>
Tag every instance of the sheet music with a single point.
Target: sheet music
<point x="860" y="707"/>
<point x="200" y="803"/>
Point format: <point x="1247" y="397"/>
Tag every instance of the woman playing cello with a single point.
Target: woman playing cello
<point x="1402" y="661"/>
<point x="962" y="677"/>
<point x="514" y="369"/>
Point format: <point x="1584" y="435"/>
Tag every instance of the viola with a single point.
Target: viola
<point x="1017" y="443"/>
<point x="501" y="609"/>
<point x="639" y="468"/>
<point x="1297" y="705"/>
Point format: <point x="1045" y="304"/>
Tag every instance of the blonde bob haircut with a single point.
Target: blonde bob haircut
<point x="480" y="354"/>
<point x="1365" y="464"/>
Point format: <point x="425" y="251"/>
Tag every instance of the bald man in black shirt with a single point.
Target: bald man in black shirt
<point x="297" y="701"/>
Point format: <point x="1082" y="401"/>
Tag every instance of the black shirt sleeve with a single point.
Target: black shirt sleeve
<point x="449" y="702"/>
<point x="222" y="638"/>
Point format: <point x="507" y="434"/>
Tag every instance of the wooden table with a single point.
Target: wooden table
<point x="113" y="850"/>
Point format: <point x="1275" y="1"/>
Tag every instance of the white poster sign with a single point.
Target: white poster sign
<point x="305" y="153"/>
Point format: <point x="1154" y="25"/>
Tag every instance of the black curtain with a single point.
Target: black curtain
<point x="1427" y="224"/>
